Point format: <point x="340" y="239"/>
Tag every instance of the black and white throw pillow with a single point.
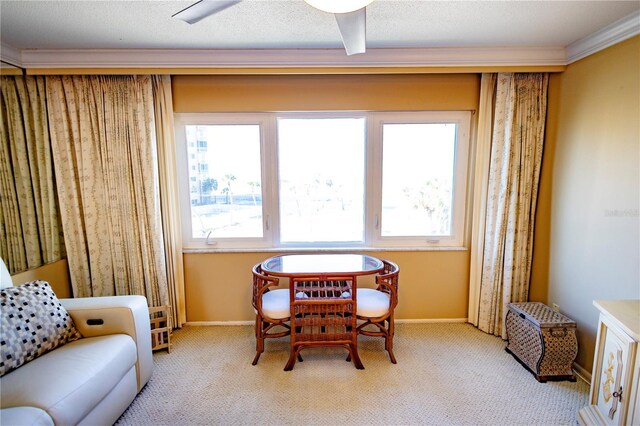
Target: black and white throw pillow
<point x="33" y="322"/>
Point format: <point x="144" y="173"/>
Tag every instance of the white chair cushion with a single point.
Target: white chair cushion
<point x="275" y="304"/>
<point x="372" y="303"/>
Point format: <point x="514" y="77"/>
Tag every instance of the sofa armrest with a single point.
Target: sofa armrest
<point x="99" y="316"/>
<point x="25" y="416"/>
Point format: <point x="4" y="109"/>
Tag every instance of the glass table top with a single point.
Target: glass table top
<point x="301" y="264"/>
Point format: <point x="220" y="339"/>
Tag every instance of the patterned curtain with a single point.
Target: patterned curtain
<point x="30" y="233"/>
<point x="169" y="198"/>
<point x="514" y="172"/>
<point x="103" y="139"/>
<point x="480" y="187"/>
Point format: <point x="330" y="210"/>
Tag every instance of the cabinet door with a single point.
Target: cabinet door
<point x="614" y="371"/>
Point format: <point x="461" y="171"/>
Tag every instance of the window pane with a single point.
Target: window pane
<point x="417" y="179"/>
<point x="225" y="190"/>
<point x="321" y="173"/>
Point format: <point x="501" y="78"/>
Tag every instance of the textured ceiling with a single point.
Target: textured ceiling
<point x="259" y="24"/>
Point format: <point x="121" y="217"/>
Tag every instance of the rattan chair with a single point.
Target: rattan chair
<point x="375" y="307"/>
<point x="272" y="309"/>
<point x="323" y="307"/>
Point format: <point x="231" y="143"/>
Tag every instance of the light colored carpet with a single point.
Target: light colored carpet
<point x="446" y="374"/>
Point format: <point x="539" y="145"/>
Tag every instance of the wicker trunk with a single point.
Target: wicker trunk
<point x="542" y="340"/>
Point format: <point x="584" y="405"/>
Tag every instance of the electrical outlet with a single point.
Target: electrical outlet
<point x="556" y="307"/>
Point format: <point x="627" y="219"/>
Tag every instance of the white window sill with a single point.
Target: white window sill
<point x="189" y="250"/>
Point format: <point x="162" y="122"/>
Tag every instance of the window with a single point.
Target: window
<point x="321" y="193"/>
<point x="423" y="178"/>
<point x="226" y="199"/>
<point x="323" y="179"/>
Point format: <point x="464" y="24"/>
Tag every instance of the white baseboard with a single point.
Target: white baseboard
<point x="199" y="323"/>
<point x="582" y="373"/>
<point x="398" y="321"/>
<point x="430" y="320"/>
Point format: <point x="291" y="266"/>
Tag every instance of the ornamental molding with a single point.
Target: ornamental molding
<point x="282" y="58"/>
<point x="10" y="55"/>
<point x="620" y="30"/>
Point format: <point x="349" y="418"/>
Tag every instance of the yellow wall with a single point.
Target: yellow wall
<point x="433" y="284"/>
<point x="325" y="92"/>
<point x="587" y="228"/>
<point x="55" y="273"/>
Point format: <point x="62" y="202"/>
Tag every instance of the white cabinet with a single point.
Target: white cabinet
<point x="614" y="396"/>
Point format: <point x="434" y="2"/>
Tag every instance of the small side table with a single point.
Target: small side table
<point x="160" y="321"/>
<point x="615" y="383"/>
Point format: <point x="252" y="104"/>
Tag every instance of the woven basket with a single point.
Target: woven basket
<point x="542" y="340"/>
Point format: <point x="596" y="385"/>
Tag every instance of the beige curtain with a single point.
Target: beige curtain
<point x="169" y="198"/>
<point x="103" y="139"/>
<point x="29" y="223"/>
<point x="514" y="171"/>
<point x="481" y="186"/>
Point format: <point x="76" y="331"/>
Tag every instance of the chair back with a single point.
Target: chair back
<point x="323" y="310"/>
<point x="387" y="281"/>
<point x="261" y="284"/>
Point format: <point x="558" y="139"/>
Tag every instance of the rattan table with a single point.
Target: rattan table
<point x="322" y="295"/>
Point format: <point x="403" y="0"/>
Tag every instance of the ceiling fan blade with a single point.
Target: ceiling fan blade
<point x="353" y="30"/>
<point x="202" y="9"/>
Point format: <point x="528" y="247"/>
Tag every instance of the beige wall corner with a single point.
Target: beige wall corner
<point x="588" y="224"/>
<point x="55" y="273"/>
<point x="538" y="290"/>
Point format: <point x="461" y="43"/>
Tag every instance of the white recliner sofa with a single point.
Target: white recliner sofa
<point x="88" y="381"/>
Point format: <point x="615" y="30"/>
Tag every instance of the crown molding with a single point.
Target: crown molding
<point x="620" y="30"/>
<point x="279" y="58"/>
<point x="10" y="55"/>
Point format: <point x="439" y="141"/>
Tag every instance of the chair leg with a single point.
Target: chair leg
<point x="389" y="340"/>
<point x="353" y="349"/>
<point x="391" y="356"/>
<point x="259" y="340"/>
<point x="292" y="359"/>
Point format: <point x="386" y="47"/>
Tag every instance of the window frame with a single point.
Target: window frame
<point x="181" y="120"/>
<point x="462" y="119"/>
<point x="373" y="143"/>
<point x="276" y="213"/>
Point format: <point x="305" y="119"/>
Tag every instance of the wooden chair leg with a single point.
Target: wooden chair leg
<point x="389" y="340"/>
<point x="390" y="350"/>
<point x="292" y="359"/>
<point x="356" y="358"/>
<point x="259" y="340"/>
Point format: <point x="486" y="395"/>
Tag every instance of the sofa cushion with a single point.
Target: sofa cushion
<point x="33" y="322"/>
<point x="31" y="416"/>
<point x="70" y="381"/>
